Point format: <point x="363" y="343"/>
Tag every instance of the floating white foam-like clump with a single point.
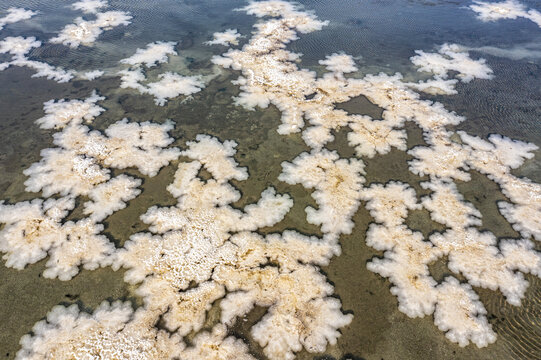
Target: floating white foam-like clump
<point x="155" y="53"/>
<point x="31" y="229"/>
<point x="15" y="15"/>
<point x="216" y="157"/>
<point x="436" y="86"/>
<point x="339" y="63"/>
<point x="18" y="46"/>
<point x="89" y="6"/>
<point x="225" y="38"/>
<point x="61" y="113"/>
<point x="92" y="75"/>
<point x="337" y="183"/>
<point x="113" y="331"/>
<point x="169" y="85"/>
<point x="451" y="57"/>
<point x="85" y="32"/>
<point x="508" y="9"/>
<point x="111" y="196"/>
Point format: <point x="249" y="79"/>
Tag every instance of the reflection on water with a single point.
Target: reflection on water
<point x="381" y="36"/>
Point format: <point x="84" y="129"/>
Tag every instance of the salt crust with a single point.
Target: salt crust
<point x="111" y="196"/>
<point x="169" y="85"/>
<point x="89" y="6"/>
<point x="79" y="166"/>
<point x="113" y="331"/>
<point x="61" y="113"/>
<point x="20" y="46"/>
<point x="15" y="15"/>
<point x="451" y="57"/>
<point x="92" y="75"/>
<point x="155" y="53"/>
<point x="85" y="32"/>
<point x="270" y="75"/>
<point x="34" y="229"/>
<point x="337" y="183"/>
<point x="225" y="38"/>
<point x="508" y="9"/>
<point x="193" y="259"/>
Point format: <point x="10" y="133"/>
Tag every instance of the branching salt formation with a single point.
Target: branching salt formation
<point x="169" y="85"/>
<point x="113" y="331"/>
<point x="61" y="113"/>
<point x="450" y="57"/>
<point x="508" y="9"/>
<point x="337" y="183"/>
<point x="89" y="6"/>
<point x="270" y="75"/>
<point x="86" y="32"/>
<point x="79" y="166"/>
<point x="225" y="38"/>
<point x="204" y="250"/>
<point x="15" y="15"/>
<point x="19" y="47"/>
<point x="193" y="260"/>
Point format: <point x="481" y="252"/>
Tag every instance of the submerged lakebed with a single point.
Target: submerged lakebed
<point x="270" y="180"/>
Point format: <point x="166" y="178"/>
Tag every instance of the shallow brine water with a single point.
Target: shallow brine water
<point x="270" y="180"/>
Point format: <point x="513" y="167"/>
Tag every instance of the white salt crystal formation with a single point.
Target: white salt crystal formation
<point x="19" y="47"/>
<point x="169" y="85"/>
<point x="61" y="113"/>
<point x="113" y="331"/>
<point x="508" y="9"/>
<point x="337" y="183"/>
<point x="450" y="57"/>
<point x="15" y="15"/>
<point x="270" y="75"/>
<point x="225" y="38"/>
<point x="86" y="32"/>
<point x="193" y="258"/>
<point x="89" y="6"/>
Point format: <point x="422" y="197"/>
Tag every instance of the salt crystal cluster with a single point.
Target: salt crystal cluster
<point x="169" y="85"/>
<point x="86" y="32"/>
<point x="190" y="259"/>
<point x="270" y="75"/>
<point x="19" y="47"/>
<point x="508" y="9"/>
<point x="15" y="15"/>
<point x="113" y="331"/>
<point x="225" y="38"/>
<point x="337" y="183"/>
<point x="450" y="57"/>
<point x="79" y="166"/>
